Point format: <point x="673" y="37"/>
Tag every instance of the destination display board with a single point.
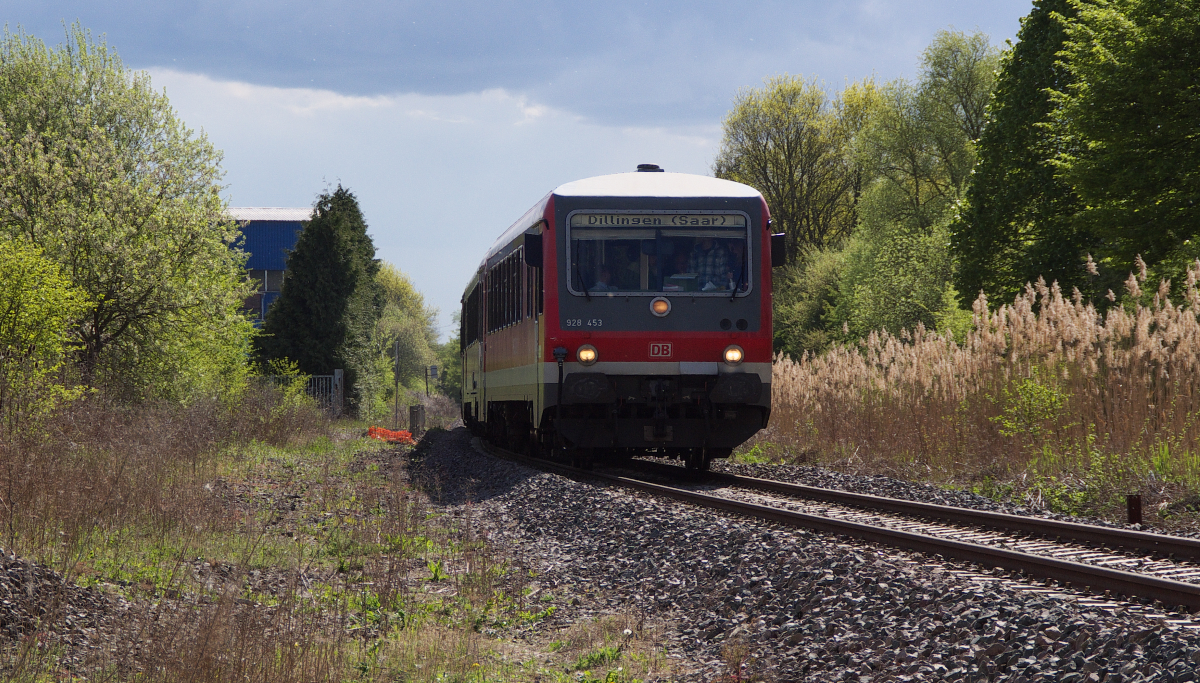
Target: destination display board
<point x="658" y="220"/>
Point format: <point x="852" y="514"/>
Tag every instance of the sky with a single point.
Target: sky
<point x="449" y="119"/>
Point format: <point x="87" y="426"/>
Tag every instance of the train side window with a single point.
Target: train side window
<point x="471" y="316"/>
<point x="491" y="301"/>
<point x="515" y="295"/>
<point x="522" y="286"/>
<point x="476" y="313"/>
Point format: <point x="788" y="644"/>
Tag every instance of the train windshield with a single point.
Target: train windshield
<point x="653" y="253"/>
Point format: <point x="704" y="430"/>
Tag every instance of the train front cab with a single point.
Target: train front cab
<point x="657" y="331"/>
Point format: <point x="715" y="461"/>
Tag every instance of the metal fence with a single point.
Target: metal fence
<point x="328" y="391"/>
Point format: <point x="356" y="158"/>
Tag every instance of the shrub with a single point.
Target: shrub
<point x="37" y="305"/>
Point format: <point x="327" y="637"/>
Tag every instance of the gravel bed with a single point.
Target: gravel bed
<point x="38" y="606"/>
<point x="788" y="605"/>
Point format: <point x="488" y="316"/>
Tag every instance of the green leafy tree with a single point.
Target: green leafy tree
<point x="805" y="303"/>
<point x="450" y="361"/>
<point x="1126" y="124"/>
<point x="790" y="142"/>
<point x="38" y="306"/>
<point x="406" y="319"/>
<point x="1016" y="223"/>
<point x="919" y="150"/>
<point x="330" y="302"/>
<point x="896" y="271"/>
<point x="98" y="173"/>
<point x="405" y="338"/>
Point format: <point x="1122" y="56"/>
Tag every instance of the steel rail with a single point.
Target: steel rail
<point x="1170" y="546"/>
<point x="1101" y="579"/>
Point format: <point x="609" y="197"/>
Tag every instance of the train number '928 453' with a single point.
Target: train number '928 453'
<point x="623" y="315"/>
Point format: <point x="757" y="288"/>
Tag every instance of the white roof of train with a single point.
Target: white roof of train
<point x="637" y="184"/>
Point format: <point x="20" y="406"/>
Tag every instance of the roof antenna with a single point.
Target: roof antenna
<point x="649" y="168"/>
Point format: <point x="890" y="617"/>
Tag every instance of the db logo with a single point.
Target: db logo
<point x="660" y="349"/>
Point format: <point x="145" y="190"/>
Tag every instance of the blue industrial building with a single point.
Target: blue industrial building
<point x="270" y="233"/>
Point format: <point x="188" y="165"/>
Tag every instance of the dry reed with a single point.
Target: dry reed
<point x="1046" y="397"/>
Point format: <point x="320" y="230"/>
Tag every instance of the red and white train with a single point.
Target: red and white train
<point x="625" y="314"/>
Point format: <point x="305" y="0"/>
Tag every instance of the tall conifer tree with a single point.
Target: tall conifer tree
<point x="330" y="300"/>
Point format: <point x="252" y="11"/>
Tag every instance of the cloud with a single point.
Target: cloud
<point x="620" y="62"/>
<point x="438" y="176"/>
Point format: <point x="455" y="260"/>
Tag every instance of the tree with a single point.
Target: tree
<point x="408" y="320"/>
<point x="1016" y="222"/>
<point x="1126" y="122"/>
<point x="806" y="297"/>
<point x="918" y="151"/>
<point x="98" y="173"/>
<point x="450" y="359"/>
<point x="38" y="304"/>
<point x="330" y="302"/>
<point x="788" y="141"/>
<point x="407" y="325"/>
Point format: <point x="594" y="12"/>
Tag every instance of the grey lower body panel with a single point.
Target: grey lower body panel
<point x="728" y="430"/>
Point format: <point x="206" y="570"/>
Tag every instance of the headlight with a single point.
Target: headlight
<point x="660" y="306"/>
<point x="586" y="354"/>
<point x="733" y="354"/>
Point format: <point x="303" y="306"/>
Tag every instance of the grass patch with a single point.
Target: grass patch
<point x="303" y="553"/>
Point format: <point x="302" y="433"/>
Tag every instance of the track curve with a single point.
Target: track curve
<point x="1100" y="579"/>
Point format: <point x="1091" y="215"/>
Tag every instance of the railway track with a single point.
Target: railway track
<point x="1105" y="560"/>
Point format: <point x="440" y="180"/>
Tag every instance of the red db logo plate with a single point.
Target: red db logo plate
<point x="660" y="349"/>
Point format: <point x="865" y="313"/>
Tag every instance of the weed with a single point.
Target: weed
<point x="596" y="658"/>
<point x="532" y="616"/>
<point x="738" y="662"/>
<point x="276" y="558"/>
<point x="1029" y="406"/>
<point x="756" y="454"/>
<point x="436" y="572"/>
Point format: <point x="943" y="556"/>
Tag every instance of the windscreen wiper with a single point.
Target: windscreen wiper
<point x="575" y="265"/>
<point x="741" y="276"/>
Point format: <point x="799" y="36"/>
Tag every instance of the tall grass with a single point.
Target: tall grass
<point x="100" y="467"/>
<point x="254" y="542"/>
<point x="1045" y="396"/>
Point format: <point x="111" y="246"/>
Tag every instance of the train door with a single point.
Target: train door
<point x="472" y="365"/>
